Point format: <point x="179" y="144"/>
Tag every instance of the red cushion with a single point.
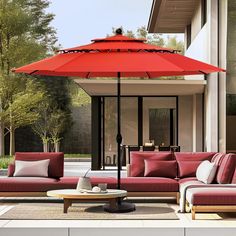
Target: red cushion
<point x="184" y="180"/>
<point x="188" y="162"/>
<point x="149" y="184"/>
<point x="217" y="158"/>
<point x="137" y="160"/>
<point x="56" y="164"/>
<point x="187" y="168"/>
<point x="156" y="168"/>
<point x="11" y="170"/>
<point x="234" y="178"/>
<point x="194" y="156"/>
<point x="226" y="169"/>
<point x="212" y="196"/>
<point x="28" y="184"/>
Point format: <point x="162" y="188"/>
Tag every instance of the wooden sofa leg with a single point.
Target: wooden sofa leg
<point x="193" y="211"/>
<point x="177" y="198"/>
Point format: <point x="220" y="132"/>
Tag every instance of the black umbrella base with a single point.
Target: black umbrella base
<point x="121" y="207"/>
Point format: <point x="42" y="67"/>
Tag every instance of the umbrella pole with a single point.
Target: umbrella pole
<point x="119" y="136"/>
<point x="121" y="207"/>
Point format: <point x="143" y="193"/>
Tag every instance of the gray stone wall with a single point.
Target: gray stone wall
<point x="78" y="138"/>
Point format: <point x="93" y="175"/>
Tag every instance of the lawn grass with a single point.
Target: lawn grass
<point x="6" y="160"/>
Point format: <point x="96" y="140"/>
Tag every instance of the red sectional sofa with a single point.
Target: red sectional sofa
<point x="148" y="174"/>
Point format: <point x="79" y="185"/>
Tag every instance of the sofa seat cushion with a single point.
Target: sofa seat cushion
<point x="71" y="182"/>
<point x="184" y="180"/>
<point x="149" y="184"/>
<point x="212" y="196"/>
<point x="28" y="184"/>
<point x="137" y="161"/>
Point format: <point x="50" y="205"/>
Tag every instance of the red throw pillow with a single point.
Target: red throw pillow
<point x="188" y="168"/>
<point x="137" y="160"/>
<point x="156" y="168"/>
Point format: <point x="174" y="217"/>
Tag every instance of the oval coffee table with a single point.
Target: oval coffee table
<point x="72" y="195"/>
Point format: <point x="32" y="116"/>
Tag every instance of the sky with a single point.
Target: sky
<point x="79" y="21"/>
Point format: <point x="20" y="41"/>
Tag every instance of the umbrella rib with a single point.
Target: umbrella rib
<point x="33" y="72"/>
<point x="202" y="72"/>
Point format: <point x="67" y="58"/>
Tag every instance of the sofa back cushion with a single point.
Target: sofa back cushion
<point x="188" y="162"/>
<point x="55" y="167"/>
<point x="217" y="158"/>
<point x="156" y="168"/>
<point x="137" y="161"/>
<point x="234" y="177"/>
<point x="226" y="169"/>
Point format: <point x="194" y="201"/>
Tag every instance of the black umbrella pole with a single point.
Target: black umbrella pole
<point x="121" y="206"/>
<point x="119" y="136"/>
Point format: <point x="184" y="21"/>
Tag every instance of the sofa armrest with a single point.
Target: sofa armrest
<point x="11" y="170"/>
<point x="128" y="169"/>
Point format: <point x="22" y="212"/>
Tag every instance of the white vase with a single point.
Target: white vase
<point x="84" y="183"/>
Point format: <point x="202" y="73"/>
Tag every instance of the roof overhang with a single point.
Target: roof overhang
<point x="142" y="87"/>
<point x="171" y="16"/>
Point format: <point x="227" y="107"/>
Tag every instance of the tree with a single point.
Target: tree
<point x="21" y="110"/>
<point x="58" y="124"/>
<point x="78" y="96"/>
<point x="155" y="39"/>
<point x="9" y="85"/>
<point x="25" y="36"/>
<point x="42" y="124"/>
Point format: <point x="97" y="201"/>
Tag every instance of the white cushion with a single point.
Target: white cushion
<point x="32" y="168"/>
<point x="206" y="172"/>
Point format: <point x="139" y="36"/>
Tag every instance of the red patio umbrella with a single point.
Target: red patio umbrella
<point x="118" y="56"/>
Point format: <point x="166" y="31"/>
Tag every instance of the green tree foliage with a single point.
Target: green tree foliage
<point x="20" y="107"/>
<point x="24" y="30"/>
<point x="155" y="39"/>
<point x="25" y="36"/>
<point x="78" y="96"/>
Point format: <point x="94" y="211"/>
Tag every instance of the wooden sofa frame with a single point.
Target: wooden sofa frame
<point x="209" y="209"/>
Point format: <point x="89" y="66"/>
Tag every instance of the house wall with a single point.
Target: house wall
<point x="209" y="45"/>
<point x="185" y="123"/>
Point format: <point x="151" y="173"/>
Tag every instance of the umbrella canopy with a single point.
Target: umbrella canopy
<point x="108" y="56"/>
<point x="118" y="56"/>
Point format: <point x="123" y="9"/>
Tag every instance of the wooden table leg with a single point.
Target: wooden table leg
<point x="67" y="204"/>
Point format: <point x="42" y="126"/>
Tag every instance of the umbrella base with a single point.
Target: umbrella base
<point x="121" y="207"/>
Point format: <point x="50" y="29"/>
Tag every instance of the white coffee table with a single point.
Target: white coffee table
<point x="72" y="195"/>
